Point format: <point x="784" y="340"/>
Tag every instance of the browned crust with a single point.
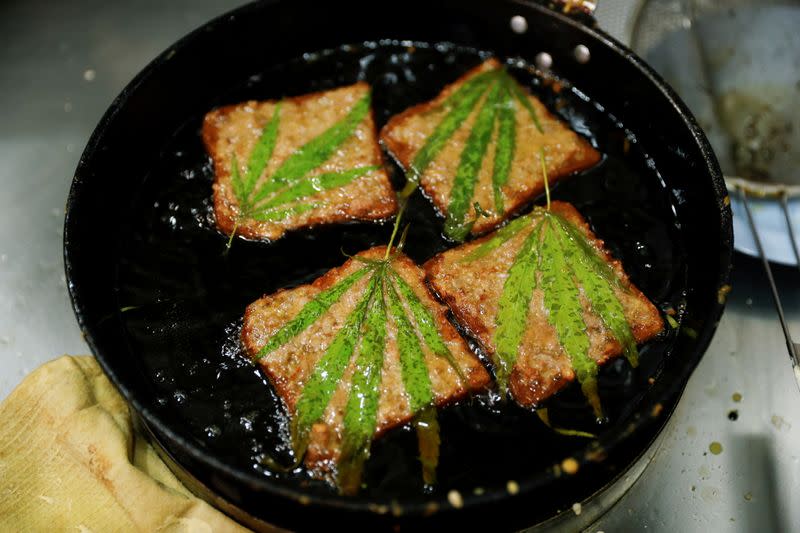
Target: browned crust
<point x="322" y="451"/>
<point x="529" y="385"/>
<point x="584" y="157"/>
<point x="225" y="211"/>
<point x="249" y="327"/>
<point x="401" y="152"/>
<point x="641" y="331"/>
<point x="476" y="375"/>
<point x="324" y="440"/>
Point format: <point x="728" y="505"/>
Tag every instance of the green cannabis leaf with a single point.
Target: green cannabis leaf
<point x="496" y="95"/>
<point x="285" y="192"/>
<point x="387" y="299"/>
<point x="557" y="258"/>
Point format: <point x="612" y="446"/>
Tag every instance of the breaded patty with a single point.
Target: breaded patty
<point x="481" y="144"/>
<point x="290" y="366"/>
<point x="301" y="162"/>
<point x="472" y="284"/>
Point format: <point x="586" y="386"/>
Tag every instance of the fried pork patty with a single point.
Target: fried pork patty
<point x="565" y="152"/>
<point x="472" y="290"/>
<point x="235" y="130"/>
<point x="290" y="366"/>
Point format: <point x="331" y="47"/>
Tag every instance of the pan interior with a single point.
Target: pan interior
<point x="182" y="298"/>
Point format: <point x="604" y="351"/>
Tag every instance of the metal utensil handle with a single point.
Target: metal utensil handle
<point x="785" y="206"/>
<point x="790" y="344"/>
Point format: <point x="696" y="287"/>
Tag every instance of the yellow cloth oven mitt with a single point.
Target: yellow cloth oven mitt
<point x="70" y="460"/>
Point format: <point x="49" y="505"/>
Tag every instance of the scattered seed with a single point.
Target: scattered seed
<point x="455" y="499"/>
<point x="512" y="487"/>
<point x="570" y="465"/>
<point x="657" y="408"/>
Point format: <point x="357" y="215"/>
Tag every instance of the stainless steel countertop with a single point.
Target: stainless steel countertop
<point x="64" y="62"/>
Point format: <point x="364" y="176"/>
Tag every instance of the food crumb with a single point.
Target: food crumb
<point x="477" y="491"/>
<point x="512" y="487"/>
<point x="748" y="496"/>
<point x="382" y="509"/>
<point x="89" y="74"/>
<point x="657" y="408"/>
<point x="780" y="423"/>
<point x="455" y="499"/>
<point x="737" y="397"/>
<point x="577" y="509"/>
<point x="46" y="499"/>
<point x="694" y="488"/>
<point x="715" y="448"/>
<point x="733" y="415"/>
<point x="570" y="465"/>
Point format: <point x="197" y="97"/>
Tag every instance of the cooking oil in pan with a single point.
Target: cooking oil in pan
<point x="186" y="297"/>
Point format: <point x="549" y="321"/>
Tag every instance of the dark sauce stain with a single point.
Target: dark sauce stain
<point x="189" y="296"/>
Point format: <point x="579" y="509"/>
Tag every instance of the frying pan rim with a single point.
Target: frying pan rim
<point x="668" y="396"/>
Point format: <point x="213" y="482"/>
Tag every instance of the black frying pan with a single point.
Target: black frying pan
<point x="160" y="303"/>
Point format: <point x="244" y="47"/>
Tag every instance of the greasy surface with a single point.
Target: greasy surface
<point x="189" y="297"/>
<point x="565" y="152"/>
<point x="289" y="366"/>
<point x="472" y="290"/>
<point x="235" y="129"/>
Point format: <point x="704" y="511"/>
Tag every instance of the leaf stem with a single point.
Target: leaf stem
<point x="545" y="418"/>
<point x="544" y="173"/>
<point x="403" y="204"/>
<point x="233" y="234"/>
